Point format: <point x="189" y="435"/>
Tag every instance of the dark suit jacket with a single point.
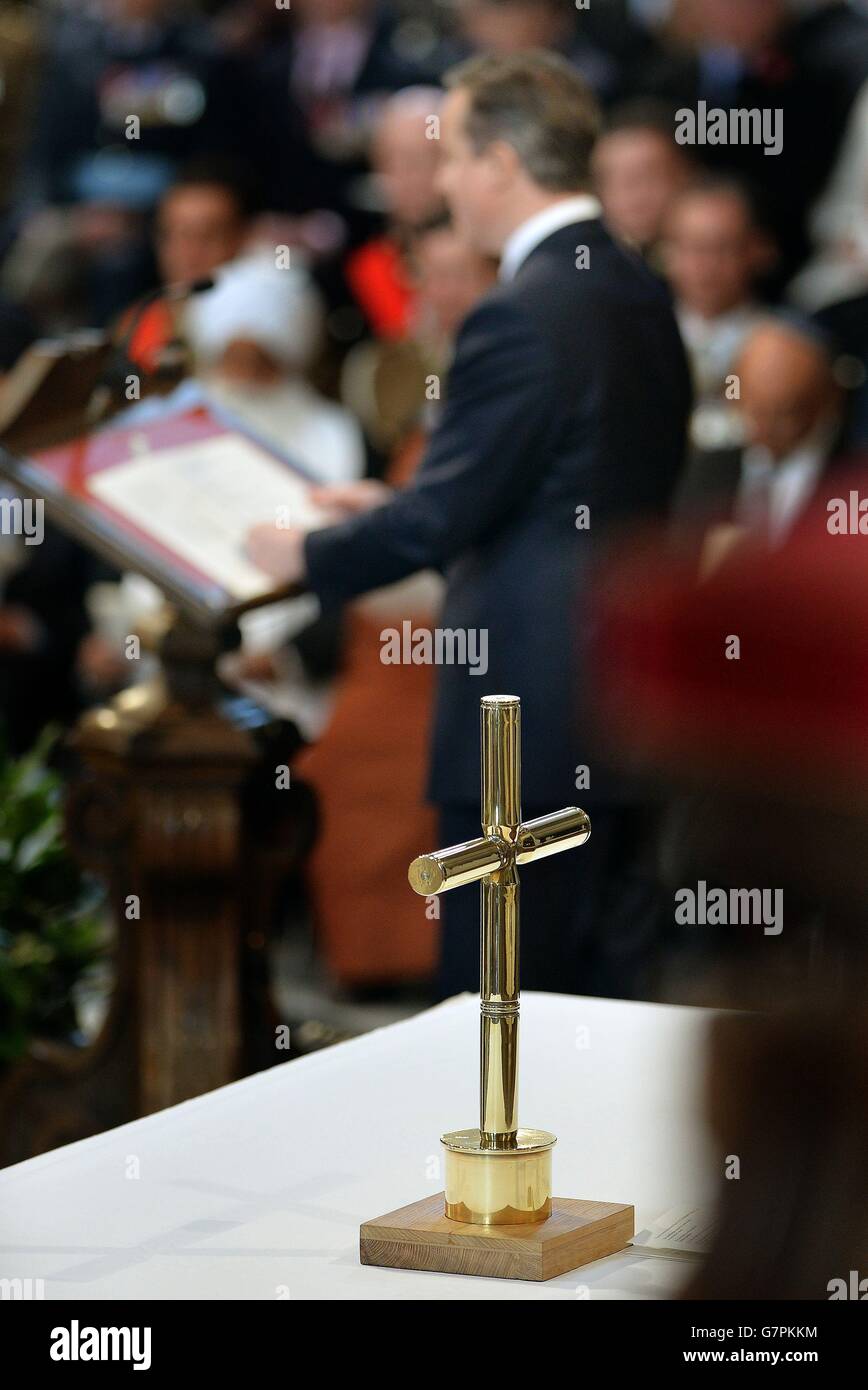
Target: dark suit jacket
<point x="708" y="492"/>
<point x="295" y="176"/>
<point x="40" y="687"/>
<point x="847" y="322"/>
<point x="569" y="387"/>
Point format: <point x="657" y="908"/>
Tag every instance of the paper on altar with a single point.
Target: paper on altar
<point x="200" y="500"/>
<point x="680" y="1231"/>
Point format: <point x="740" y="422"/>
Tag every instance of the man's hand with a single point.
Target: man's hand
<point x="278" y="551"/>
<point x="349" y="499"/>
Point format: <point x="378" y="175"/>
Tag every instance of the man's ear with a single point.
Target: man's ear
<point x="504" y="163"/>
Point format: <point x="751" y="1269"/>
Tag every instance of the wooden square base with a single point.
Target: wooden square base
<point x="421" y="1237"/>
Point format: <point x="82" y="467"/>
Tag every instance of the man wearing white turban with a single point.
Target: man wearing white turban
<point x="254" y="337"/>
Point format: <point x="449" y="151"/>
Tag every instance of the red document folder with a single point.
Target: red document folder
<point x="61" y="475"/>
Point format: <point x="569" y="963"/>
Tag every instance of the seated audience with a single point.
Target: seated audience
<point x="792" y="415"/>
<point x="638" y="172"/>
<point x="600" y="46"/>
<point x="118" y="60"/>
<point x="761" y="55"/>
<point x="714" y="251"/>
<point x="404" y="155"/>
<point x="203" y="222"/>
<point x="392" y="386"/>
<point x="319" y="94"/>
<point x="130" y="91"/>
<point x="254" y="339"/>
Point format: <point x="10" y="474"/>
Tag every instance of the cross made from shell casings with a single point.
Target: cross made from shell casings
<point x="492" y="860"/>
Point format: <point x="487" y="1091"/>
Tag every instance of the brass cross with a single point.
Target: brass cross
<point x="493" y="860"/>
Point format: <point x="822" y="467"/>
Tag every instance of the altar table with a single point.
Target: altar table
<point x="257" y="1190"/>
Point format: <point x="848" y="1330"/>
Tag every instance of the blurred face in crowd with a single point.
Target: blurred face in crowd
<point x="746" y="25"/>
<point x="638" y="172"/>
<point x="406" y="161"/>
<point x="787" y="389"/>
<point x="450" y="278"/>
<point x="713" y="251"/>
<point x="199" y="228"/>
<point x="245" y="363"/>
<point x="515" y="26"/>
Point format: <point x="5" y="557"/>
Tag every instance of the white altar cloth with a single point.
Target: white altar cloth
<point x="257" y="1190"/>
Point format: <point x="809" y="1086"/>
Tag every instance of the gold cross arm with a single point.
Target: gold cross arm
<point x="473" y="860"/>
<point x="492" y="860"/>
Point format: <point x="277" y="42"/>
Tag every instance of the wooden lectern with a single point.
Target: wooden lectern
<point x="174" y="805"/>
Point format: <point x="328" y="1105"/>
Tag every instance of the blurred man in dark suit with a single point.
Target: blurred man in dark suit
<point x="566" y="414"/>
<point x="792" y="413"/>
<point x="318" y="95"/>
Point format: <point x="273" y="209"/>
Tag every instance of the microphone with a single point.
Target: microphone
<point x="176" y="292"/>
<point x="171" y="294"/>
<point x="120" y="365"/>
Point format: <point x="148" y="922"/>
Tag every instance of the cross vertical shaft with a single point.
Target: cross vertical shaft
<point x="499" y="924"/>
<point x="499" y="1174"/>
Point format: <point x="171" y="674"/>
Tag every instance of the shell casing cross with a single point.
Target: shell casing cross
<point x="493" y="860"/>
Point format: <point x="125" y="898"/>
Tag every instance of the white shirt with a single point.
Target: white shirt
<point x="536" y="229"/>
<point x="772" y="496"/>
<point x="714" y="344"/>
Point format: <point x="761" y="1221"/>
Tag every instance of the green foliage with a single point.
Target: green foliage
<point x="49" y="911"/>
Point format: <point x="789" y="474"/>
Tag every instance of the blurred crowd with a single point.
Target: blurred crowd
<point x="149" y="143"/>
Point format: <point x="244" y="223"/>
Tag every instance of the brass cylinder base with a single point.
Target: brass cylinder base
<point x="488" y="1186"/>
